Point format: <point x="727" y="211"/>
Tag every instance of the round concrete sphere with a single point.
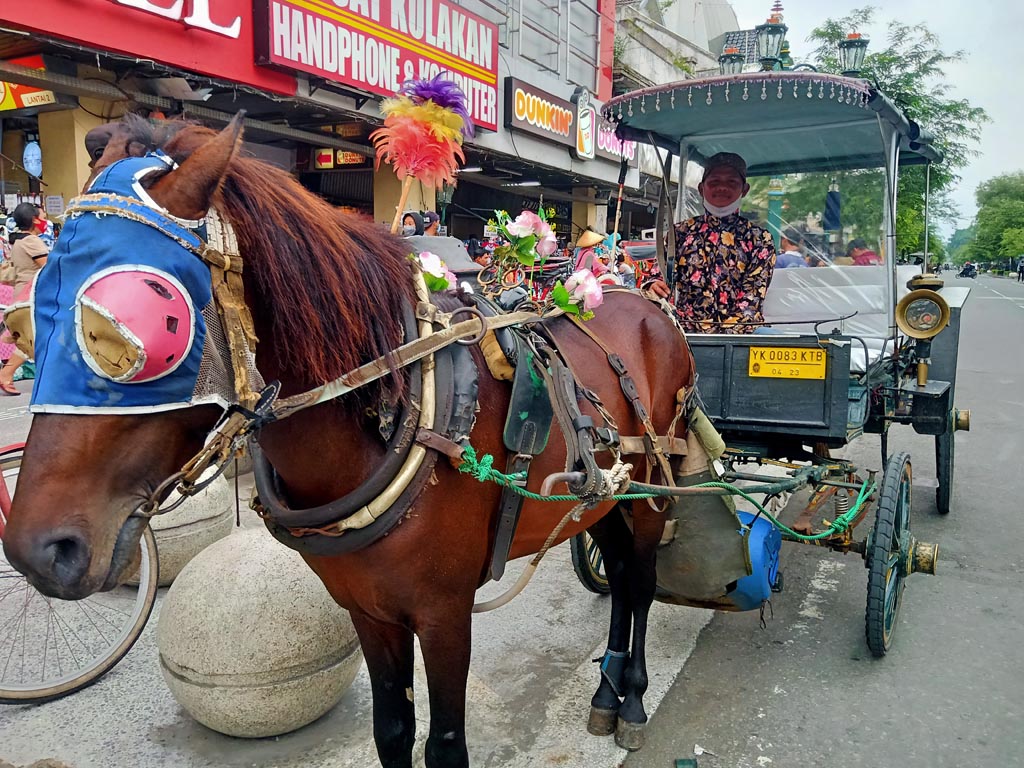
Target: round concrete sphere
<point x="251" y="643"/>
<point x="184" y="532"/>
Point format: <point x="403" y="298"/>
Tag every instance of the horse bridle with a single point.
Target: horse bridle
<point x="252" y="410"/>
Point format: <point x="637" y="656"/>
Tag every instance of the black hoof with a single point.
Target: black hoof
<point x="602" y="721"/>
<point x="629" y="736"/>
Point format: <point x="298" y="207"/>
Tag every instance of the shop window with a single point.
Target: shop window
<point x="584" y="26"/>
<point x="541" y="34"/>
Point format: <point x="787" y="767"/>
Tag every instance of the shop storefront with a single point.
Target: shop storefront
<point x="310" y="74"/>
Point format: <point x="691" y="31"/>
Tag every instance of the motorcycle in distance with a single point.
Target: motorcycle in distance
<point x="968" y="270"/>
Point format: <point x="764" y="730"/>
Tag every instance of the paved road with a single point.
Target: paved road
<point x="806" y="692"/>
<point x="803" y="692"/>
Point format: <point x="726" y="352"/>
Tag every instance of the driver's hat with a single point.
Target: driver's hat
<point x="726" y="160"/>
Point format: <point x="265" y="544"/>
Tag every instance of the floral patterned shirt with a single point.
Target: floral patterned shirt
<point x="723" y="267"/>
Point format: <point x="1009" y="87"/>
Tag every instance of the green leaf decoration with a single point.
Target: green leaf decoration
<point x="435" y="283"/>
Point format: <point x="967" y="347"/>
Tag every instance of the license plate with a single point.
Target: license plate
<point x="787" y="362"/>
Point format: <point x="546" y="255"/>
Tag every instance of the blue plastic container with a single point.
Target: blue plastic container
<point x="764" y="542"/>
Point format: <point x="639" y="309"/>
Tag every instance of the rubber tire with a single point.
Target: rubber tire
<point x="149" y="579"/>
<point x="892" y="522"/>
<point x="945" y="462"/>
<point x="588" y="563"/>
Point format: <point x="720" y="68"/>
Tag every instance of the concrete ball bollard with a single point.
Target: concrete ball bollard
<point x="184" y="532"/>
<point x="251" y="644"/>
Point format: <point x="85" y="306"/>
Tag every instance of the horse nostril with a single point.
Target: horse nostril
<point x="68" y="557"/>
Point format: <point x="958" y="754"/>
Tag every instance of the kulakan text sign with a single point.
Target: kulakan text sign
<point x="376" y="45"/>
<point x="787" y="362"/>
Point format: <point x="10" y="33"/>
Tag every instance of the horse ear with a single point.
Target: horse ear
<point x="188" y="190"/>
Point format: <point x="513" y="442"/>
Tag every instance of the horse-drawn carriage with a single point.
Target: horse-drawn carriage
<point x="368" y="390"/>
<point x="845" y="349"/>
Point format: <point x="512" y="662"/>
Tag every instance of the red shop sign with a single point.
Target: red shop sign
<point x="209" y="37"/>
<point x="376" y="45"/>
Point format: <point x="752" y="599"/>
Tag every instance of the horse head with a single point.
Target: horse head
<point x="100" y="443"/>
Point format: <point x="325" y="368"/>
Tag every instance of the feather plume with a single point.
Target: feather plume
<point x="412" y="149"/>
<point x="444" y="123"/>
<point x="444" y="93"/>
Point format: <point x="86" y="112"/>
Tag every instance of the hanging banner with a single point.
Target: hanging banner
<point x="376" y="45"/>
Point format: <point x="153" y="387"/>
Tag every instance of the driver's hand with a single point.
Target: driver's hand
<point x="660" y="288"/>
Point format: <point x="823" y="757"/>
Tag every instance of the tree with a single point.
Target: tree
<point x="1000" y="209"/>
<point x="910" y="70"/>
<point x="1012" y="246"/>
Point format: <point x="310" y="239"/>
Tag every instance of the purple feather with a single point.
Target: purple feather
<point x="443" y="92"/>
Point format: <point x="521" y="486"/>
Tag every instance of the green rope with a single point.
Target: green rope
<point x="483" y="470"/>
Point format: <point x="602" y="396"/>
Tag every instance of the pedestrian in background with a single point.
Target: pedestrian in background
<point x="1020" y="270"/>
<point x="431" y="222"/>
<point x="28" y="254"/>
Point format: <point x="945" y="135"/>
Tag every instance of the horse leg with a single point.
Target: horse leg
<point x="445" y="643"/>
<point x="615" y="540"/>
<point x="388" y="649"/>
<point x="647" y="531"/>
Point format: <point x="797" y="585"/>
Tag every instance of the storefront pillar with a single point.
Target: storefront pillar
<point x="387" y="191"/>
<point x="592" y="215"/>
<point x="65" y="160"/>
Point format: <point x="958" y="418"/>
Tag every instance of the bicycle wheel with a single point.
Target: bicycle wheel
<point x="49" y="647"/>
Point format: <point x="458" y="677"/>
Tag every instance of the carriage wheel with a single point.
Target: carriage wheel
<point x="888" y="553"/>
<point x="588" y="563"/>
<point x="945" y="445"/>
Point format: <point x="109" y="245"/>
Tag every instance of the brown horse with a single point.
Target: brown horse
<point x="325" y="291"/>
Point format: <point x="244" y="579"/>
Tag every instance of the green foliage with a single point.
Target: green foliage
<point x="910" y="70"/>
<point x="996" y="216"/>
<point x="682" y="63"/>
<point x="1012" y="245"/>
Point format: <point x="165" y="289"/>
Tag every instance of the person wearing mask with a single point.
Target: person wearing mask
<point x="412" y="224"/>
<point x="28" y="254"/>
<point x="789" y="250"/>
<point x="431" y="222"/>
<point x="723" y="262"/>
<point x="44" y="228"/>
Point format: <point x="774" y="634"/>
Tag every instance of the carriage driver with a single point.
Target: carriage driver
<point x="723" y="262"/>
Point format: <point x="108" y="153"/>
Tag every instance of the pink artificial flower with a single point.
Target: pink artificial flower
<point x="585" y="289"/>
<point x="527" y="223"/>
<point x="432" y="264"/>
<point x="450" y="277"/>
<point x="546" y="242"/>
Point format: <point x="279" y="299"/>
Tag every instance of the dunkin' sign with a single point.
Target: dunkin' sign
<point x="576" y="124"/>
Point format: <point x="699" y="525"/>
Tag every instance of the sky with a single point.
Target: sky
<point x="989" y="31"/>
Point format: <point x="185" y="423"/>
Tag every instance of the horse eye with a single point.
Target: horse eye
<point x="158" y="289"/>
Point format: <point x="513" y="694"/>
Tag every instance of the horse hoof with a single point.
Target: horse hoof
<point x="602" y="721"/>
<point x="629" y="736"/>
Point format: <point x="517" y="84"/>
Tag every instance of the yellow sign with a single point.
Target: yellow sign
<point x="348" y="158"/>
<point x="323" y="159"/>
<point x="787" y="362"/>
<point x="15" y="96"/>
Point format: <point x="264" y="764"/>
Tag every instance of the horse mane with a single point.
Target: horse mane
<point x="333" y="282"/>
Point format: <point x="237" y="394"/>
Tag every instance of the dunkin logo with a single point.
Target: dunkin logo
<point x="541" y="113"/>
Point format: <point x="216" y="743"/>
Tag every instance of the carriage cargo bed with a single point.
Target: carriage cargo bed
<point x="748" y="405"/>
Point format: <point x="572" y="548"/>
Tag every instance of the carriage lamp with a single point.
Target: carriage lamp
<point x="851" y="53"/>
<point x="731" y="61"/>
<point x="921" y="315"/>
<point x="769" y="41"/>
